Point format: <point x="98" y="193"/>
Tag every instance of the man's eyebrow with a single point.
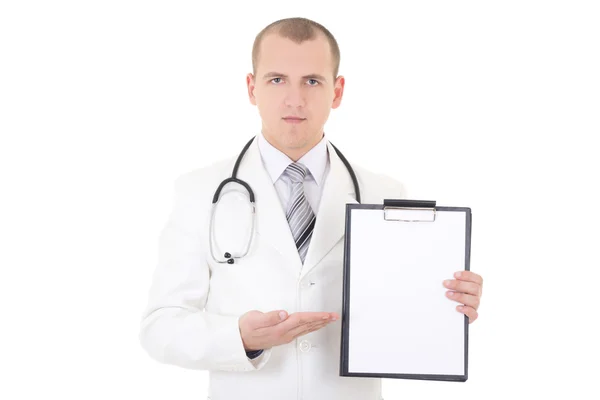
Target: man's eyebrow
<point x="278" y="74"/>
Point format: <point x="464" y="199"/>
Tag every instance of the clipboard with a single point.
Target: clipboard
<point x="397" y="321"/>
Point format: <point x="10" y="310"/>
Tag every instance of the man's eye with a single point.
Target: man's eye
<point x="314" y="80"/>
<point x="275" y="79"/>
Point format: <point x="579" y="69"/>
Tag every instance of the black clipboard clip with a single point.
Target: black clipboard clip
<point x="392" y="209"/>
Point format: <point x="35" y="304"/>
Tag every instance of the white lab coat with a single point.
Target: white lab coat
<point x="194" y="304"/>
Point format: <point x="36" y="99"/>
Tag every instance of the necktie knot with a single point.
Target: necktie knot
<point x="296" y="172"/>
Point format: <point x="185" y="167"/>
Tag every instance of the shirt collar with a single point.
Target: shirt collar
<point x="275" y="161"/>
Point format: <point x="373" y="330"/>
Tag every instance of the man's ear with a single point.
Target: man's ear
<point x="338" y="90"/>
<point x="250" y="83"/>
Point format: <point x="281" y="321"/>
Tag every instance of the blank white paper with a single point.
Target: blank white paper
<point x="400" y="320"/>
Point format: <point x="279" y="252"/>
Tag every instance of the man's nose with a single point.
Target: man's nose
<point x="295" y="97"/>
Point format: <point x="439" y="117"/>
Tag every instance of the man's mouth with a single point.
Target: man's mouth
<point x="293" y="120"/>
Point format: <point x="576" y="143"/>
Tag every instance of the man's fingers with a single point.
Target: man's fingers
<point x="463" y="286"/>
<point x="469" y="312"/>
<point x="466" y="299"/>
<point x="304" y="329"/>
<point x="469" y="276"/>
<point x="284" y="328"/>
<point x="302" y="318"/>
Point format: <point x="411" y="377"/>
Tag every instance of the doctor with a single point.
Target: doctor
<point x="266" y="325"/>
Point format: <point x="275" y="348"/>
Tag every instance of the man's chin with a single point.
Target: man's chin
<point x="293" y="138"/>
<point x="296" y="143"/>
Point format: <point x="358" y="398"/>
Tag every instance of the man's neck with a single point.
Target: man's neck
<point x="294" y="154"/>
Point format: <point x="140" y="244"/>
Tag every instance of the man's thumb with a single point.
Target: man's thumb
<point x="275" y="317"/>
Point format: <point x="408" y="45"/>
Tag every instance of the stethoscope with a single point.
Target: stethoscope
<point x="230" y="258"/>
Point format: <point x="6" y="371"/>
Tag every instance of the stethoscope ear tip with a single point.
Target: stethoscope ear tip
<point x="230" y="261"/>
<point x="227" y="255"/>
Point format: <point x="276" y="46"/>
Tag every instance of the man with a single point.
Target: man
<point x="266" y="326"/>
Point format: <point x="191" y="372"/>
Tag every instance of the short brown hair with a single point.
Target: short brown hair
<point x="299" y="30"/>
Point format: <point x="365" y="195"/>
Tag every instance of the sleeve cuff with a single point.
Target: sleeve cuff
<point x="253" y="353"/>
<point x="228" y="347"/>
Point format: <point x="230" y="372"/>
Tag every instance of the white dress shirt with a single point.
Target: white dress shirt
<point x="316" y="161"/>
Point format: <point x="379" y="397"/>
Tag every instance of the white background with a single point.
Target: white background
<point x="489" y="105"/>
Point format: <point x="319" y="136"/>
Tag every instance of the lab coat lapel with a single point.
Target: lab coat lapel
<point x="330" y="222"/>
<point x="271" y="223"/>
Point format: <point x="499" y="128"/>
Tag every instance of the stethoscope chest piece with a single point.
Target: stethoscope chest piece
<point x="232" y="221"/>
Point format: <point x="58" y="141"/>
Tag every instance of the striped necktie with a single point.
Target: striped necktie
<point x="300" y="215"/>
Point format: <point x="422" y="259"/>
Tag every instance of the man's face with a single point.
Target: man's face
<point x="294" y="80"/>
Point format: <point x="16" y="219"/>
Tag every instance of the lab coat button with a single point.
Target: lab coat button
<point x="305" y="346"/>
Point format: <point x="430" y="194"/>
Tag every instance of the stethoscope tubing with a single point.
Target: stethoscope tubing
<point x="229" y="258"/>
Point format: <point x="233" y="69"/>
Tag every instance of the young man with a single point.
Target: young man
<point x="266" y="326"/>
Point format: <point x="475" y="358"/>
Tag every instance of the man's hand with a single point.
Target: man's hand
<point x="466" y="289"/>
<point x="263" y="330"/>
